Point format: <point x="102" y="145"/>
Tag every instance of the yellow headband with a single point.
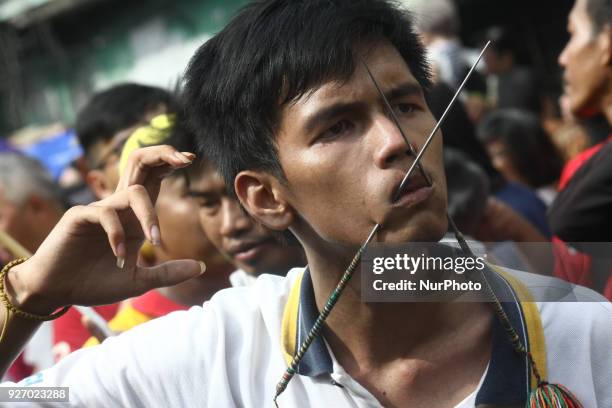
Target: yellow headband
<point x="155" y="133"/>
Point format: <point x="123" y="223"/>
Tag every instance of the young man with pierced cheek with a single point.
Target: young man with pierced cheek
<point x="308" y="145"/>
<point x="338" y="146"/>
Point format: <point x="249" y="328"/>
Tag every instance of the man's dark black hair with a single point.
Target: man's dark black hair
<point x="273" y="52"/>
<point x="183" y="139"/>
<point x="600" y="13"/>
<point x="531" y="150"/>
<point x="117" y="108"/>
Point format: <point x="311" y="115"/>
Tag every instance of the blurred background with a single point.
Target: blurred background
<point x="54" y="54"/>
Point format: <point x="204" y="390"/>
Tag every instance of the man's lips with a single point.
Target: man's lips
<point x="415" y="191"/>
<point x="246" y="251"/>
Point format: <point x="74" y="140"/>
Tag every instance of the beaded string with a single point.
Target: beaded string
<point x="318" y="324"/>
<point x="544" y="395"/>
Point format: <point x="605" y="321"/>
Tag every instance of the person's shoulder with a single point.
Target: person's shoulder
<point x="262" y="283"/>
<point x="549" y="289"/>
<point x="267" y="295"/>
<point x="567" y="307"/>
<point x="577" y="328"/>
<point x="240" y="278"/>
<point x="601" y="157"/>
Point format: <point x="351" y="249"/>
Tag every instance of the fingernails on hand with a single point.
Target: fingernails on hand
<point x="182" y="158"/>
<point x="120" y="252"/>
<point x="202" y="267"/>
<point x="155" y="235"/>
<point x="189" y="155"/>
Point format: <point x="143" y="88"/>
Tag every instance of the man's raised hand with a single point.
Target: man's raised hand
<point x="90" y="257"/>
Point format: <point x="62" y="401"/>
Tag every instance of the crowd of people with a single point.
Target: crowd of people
<point x="269" y="177"/>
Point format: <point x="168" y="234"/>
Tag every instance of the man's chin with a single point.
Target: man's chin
<point x="423" y="228"/>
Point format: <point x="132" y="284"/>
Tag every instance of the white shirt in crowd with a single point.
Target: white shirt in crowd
<point x="229" y="353"/>
<point x="240" y="278"/>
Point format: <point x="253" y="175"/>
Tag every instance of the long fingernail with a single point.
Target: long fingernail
<point x="182" y="157"/>
<point x="189" y="155"/>
<point x="155" y="235"/>
<point x="202" y="267"/>
<point x="120" y="250"/>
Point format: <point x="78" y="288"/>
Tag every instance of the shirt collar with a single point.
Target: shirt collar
<point x="508" y="379"/>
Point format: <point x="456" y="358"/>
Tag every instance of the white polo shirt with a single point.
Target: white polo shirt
<point x="240" y="278"/>
<point x="229" y="353"/>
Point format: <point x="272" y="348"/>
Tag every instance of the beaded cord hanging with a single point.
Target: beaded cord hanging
<point x="544" y="395"/>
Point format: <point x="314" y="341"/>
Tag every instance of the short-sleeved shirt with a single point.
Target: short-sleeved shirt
<point x="232" y="351"/>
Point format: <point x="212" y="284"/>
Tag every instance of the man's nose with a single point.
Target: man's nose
<point x="390" y="144"/>
<point x="234" y="220"/>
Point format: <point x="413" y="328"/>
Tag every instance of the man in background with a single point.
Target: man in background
<point x="251" y="247"/>
<point x="102" y="123"/>
<point x="30" y="206"/>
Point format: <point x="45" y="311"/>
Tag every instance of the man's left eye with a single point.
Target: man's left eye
<point x="405" y="107"/>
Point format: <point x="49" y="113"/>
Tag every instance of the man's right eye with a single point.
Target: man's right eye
<point x="208" y="204"/>
<point x="337" y="129"/>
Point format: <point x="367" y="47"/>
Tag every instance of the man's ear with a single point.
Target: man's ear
<point x="263" y="197"/>
<point x="96" y="180"/>
<point x="36" y="204"/>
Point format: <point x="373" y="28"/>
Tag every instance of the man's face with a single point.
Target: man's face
<point x="183" y="236"/>
<point x="344" y="158"/>
<point x="105" y="154"/>
<point x="585" y="59"/>
<point x="248" y="245"/>
<point x="502" y="160"/>
<point x="16" y="221"/>
<point x="104" y="176"/>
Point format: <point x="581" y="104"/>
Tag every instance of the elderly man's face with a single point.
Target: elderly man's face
<point x="20" y="221"/>
<point x="586" y="60"/>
